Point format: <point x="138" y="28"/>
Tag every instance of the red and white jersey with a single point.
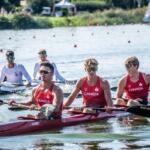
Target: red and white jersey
<point x="138" y="89"/>
<point x="45" y="96"/>
<point x="93" y="96"/>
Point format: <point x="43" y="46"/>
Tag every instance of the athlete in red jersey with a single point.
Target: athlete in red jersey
<point x="47" y="93"/>
<point x="95" y="90"/>
<point x="133" y="86"/>
<point x="93" y="95"/>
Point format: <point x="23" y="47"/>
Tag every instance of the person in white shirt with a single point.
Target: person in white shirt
<point x="13" y="73"/>
<point x="43" y="57"/>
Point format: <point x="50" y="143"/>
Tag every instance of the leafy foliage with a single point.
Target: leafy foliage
<point x="37" y="5"/>
<point x="92" y="6"/>
<point x="23" y="21"/>
<point x="128" y="4"/>
<point x="5" y="23"/>
<point x="9" y="4"/>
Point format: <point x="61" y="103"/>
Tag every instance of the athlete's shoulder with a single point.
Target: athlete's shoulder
<point x="123" y="78"/>
<point x="57" y="88"/>
<point x="83" y="78"/>
<point x="104" y="82"/>
<point x="36" y="88"/>
<point x="54" y="65"/>
<point x="4" y="67"/>
<point x="20" y="66"/>
<point x="81" y="81"/>
<point x="146" y="77"/>
<point x="37" y="63"/>
<point x="144" y="74"/>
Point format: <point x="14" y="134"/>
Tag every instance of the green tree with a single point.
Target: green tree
<point x="14" y="2"/>
<point x="37" y="5"/>
<point x="9" y="4"/>
<point x="128" y="4"/>
<point x="3" y="3"/>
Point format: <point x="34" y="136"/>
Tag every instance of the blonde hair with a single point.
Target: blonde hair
<point x="132" y="60"/>
<point x="90" y="62"/>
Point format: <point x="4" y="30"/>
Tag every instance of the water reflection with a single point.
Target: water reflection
<point x="134" y="120"/>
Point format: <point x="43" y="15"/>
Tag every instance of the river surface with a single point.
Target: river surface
<point x="68" y="48"/>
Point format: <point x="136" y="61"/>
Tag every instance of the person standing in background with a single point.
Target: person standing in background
<point x="42" y="58"/>
<point x="13" y="73"/>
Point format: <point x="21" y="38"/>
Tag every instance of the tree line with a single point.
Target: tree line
<point x="36" y="5"/>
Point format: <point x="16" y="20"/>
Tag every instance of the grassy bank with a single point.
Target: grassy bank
<point x="107" y="17"/>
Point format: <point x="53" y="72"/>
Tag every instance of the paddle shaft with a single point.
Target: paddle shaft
<point x="18" y="105"/>
<point x="137" y="110"/>
<point x="100" y="109"/>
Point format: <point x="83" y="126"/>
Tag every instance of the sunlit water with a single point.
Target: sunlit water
<point x="68" y="48"/>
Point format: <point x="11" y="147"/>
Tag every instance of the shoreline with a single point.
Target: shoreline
<point x="98" y="18"/>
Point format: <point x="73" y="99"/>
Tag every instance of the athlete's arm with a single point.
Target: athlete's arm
<point x="120" y="88"/>
<point x="57" y="74"/>
<point x="31" y="101"/>
<point x="36" y="69"/>
<point x="2" y="77"/>
<point x="147" y="78"/>
<point x="58" y="98"/>
<point x="26" y="74"/>
<point x="107" y="93"/>
<point x="28" y="103"/>
<point x="73" y="94"/>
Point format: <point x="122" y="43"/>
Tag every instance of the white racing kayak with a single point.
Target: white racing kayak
<point x="8" y="88"/>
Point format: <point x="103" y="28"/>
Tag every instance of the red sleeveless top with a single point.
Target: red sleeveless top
<point x="93" y="96"/>
<point x="45" y="96"/>
<point x="138" y="89"/>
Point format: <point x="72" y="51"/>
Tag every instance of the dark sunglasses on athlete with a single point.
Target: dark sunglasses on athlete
<point x="10" y="58"/>
<point x="128" y="66"/>
<point x="94" y="69"/>
<point x="44" y="72"/>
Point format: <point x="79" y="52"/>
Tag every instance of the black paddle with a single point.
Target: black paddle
<point x="137" y="110"/>
<point x="114" y="88"/>
<point x="97" y="109"/>
<point x="17" y="108"/>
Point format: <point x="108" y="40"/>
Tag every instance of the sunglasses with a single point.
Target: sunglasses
<point x="10" y="58"/>
<point x="92" y="69"/>
<point x="44" y="72"/>
<point x="128" y="66"/>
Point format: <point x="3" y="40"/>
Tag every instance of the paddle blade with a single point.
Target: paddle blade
<point x="1" y="102"/>
<point x="113" y="88"/>
<point x="140" y="110"/>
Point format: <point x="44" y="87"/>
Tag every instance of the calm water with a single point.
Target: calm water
<point x="68" y="48"/>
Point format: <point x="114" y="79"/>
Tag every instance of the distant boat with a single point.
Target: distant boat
<point x="146" y="18"/>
